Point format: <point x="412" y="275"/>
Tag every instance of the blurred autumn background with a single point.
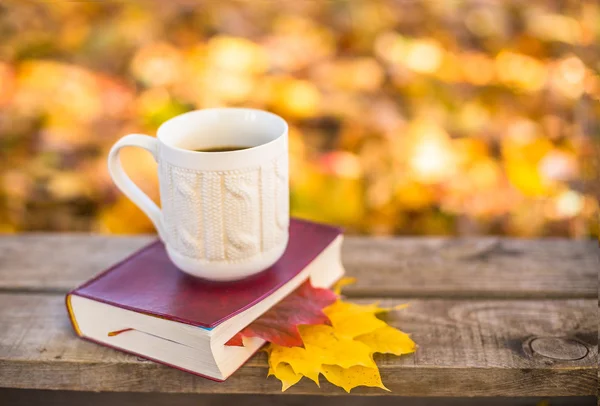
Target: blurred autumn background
<point x="407" y="117"/>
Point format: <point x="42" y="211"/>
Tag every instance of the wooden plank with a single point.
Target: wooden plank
<point x="59" y="262"/>
<point x="467" y="348"/>
<point x="21" y="397"/>
<point x="473" y="267"/>
<point x="393" y="267"/>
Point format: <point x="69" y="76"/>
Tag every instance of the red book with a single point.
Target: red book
<point x="155" y="311"/>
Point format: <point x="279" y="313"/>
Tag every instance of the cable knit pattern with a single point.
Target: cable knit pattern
<point x="226" y="216"/>
<point x="267" y="204"/>
<point x="212" y="211"/>
<point x="188" y="234"/>
<point x="242" y="226"/>
<point x="282" y="193"/>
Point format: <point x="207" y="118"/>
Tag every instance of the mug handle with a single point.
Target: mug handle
<point x="126" y="185"/>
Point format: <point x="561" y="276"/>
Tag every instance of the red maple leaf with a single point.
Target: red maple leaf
<point x="279" y="325"/>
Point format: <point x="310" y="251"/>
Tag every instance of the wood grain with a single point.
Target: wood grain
<point x="542" y="342"/>
<point x="467" y="348"/>
<point x="391" y="267"/>
<point x="20" y="397"/>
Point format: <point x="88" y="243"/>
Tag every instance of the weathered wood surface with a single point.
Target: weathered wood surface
<point x="474" y="348"/>
<point x="386" y="267"/>
<point x="492" y="317"/>
<point x="21" y="397"/>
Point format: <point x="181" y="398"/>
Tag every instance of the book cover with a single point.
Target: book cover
<point x="148" y="282"/>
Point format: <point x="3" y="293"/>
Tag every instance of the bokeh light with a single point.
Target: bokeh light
<point x="406" y="117"/>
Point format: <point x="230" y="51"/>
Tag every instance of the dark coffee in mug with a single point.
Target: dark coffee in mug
<point x="224" y="148"/>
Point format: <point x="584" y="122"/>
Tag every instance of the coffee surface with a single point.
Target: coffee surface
<point x="224" y="148"/>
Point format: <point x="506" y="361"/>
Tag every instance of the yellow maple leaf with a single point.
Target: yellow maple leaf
<point x="326" y="347"/>
<point x="342" y="352"/>
<point x="345" y="281"/>
<point x="286" y="375"/>
<point x="299" y="359"/>
<point x="351" y="320"/>
<point x="352" y="377"/>
<point x="321" y="347"/>
<point x="388" y="340"/>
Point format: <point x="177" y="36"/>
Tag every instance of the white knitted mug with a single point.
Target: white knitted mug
<point x="225" y="215"/>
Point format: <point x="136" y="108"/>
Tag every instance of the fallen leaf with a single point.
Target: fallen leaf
<point x="327" y="348"/>
<point x="388" y="340"/>
<point x="279" y="325"/>
<point x="349" y="378"/>
<point x="236" y="341"/>
<point x="286" y="375"/>
<point x="312" y="333"/>
<point x="351" y="320"/>
<point x="345" y="359"/>
<point x="345" y="281"/>
<point x="300" y="360"/>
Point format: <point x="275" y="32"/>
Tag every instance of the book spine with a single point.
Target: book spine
<point x="72" y="315"/>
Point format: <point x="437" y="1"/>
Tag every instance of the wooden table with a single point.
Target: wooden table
<point x="492" y="317"/>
